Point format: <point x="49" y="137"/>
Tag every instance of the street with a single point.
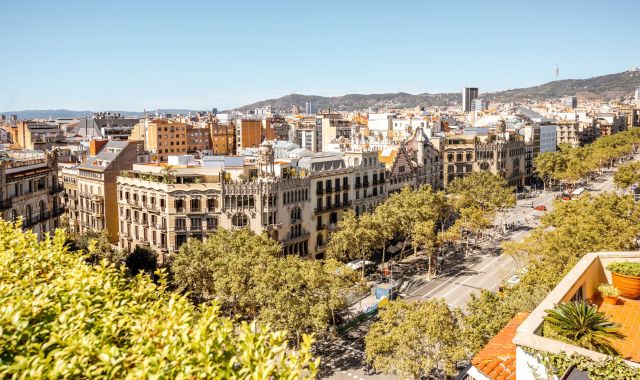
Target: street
<point x="463" y="276"/>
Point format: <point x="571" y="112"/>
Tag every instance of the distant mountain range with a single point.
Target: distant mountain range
<point x="605" y="87"/>
<point x="55" y="114"/>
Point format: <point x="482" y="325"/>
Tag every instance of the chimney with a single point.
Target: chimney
<point x="95" y="146"/>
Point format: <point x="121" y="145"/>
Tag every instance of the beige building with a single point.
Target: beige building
<point x="576" y="133"/>
<point x="96" y="184"/>
<point x="296" y="205"/>
<point x="70" y="198"/>
<point x="39" y="136"/>
<point x="29" y="188"/>
<point x="509" y="158"/>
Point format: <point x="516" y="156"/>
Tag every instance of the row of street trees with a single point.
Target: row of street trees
<point x="245" y="274"/>
<point x="607" y="222"/>
<point x="425" y="218"/>
<point x="570" y="165"/>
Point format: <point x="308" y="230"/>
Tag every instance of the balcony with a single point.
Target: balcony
<point x="301" y="237"/>
<point x="358" y="185"/>
<point x="211" y="227"/>
<point x="196" y="228"/>
<point x="198" y="211"/>
<point x="56" y="189"/>
<point x="180" y="228"/>
<point x="161" y="226"/>
<point x="332" y="227"/>
<point x="320" y="227"/>
<point x="319" y="191"/>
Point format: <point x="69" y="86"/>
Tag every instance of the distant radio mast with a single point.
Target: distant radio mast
<point x="557" y="71"/>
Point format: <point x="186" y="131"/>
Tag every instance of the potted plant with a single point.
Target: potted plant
<point x="626" y="277"/>
<point x="609" y="293"/>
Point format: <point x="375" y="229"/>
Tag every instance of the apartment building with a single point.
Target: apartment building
<point x="575" y="133"/>
<point x="96" y="183"/>
<point x="608" y="123"/>
<point x="106" y="125"/>
<point x="162" y="137"/>
<point x="198" y="139"/>
<point x="329" y="127"/>
<point x="222" y="139"/>
<point x="249" y="133"/>
<point x="29" y="188"/>
<point x="70" y="197"/>
<point x="35" y="135"/>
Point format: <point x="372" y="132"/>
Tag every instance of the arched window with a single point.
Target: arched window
<point x="42" y="210"/>
<point x="28" y="214"/>
<point x="240" y="220"/>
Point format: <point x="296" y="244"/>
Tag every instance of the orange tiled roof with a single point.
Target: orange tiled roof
<point x="497" y="360"/>
<point x="627" y="313"/>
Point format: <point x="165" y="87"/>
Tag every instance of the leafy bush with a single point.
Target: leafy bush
<point x="583" y="325"/>
<point x="63" y="318"/>
<point x="625" y="268"/>
<point x="608" y="290"/>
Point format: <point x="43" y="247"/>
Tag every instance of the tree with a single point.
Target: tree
<point x="97" y="245"/>
<point x="627" y="175"/>
<point x="243" y="272"/>
<point x="549" y="165"/>
<point x="355" y="238"/>
<point x="484" y="316"/>
<point x="583" y="325"/>
<point x="425" y="236"/>
<point x="415" y="339"/>
<point x="63" y="318"/>
<point x="481" y="190"/>
<point x="142" y="259"/>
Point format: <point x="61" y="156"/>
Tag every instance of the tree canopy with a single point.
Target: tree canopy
<point x="63" y="318"/>
<point x="414" y="339"/>
<point x="243" y="273"/>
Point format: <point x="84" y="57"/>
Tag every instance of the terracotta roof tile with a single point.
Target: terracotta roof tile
<point x="497" y="360"/>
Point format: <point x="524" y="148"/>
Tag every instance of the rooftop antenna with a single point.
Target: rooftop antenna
<point x="557" y="71"/>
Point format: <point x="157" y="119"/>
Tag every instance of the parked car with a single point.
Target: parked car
<point x="540" y="208"/>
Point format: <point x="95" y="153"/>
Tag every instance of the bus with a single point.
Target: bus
<point x="577" y="192"/>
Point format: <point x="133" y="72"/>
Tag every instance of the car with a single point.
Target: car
<point x="540" y="208"/>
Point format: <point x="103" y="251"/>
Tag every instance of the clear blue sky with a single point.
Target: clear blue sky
<point x="130" y="55"/>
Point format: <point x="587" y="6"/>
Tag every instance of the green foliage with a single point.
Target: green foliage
<point x="484" y="316"/>
<point x="243" y="273"/>
<point x="415" y="339"/>
<point x="168" y="174"/>
<point x="608" y="290"/>
<point x="62" y="318"/>
<point x="142" y="260"/>
<point x="97" y="246"/>
<point x="582" y="324"/>
<point x="627" y="175"/>
<point x="481" y="190"/>
<point x="610" y="368"/>
<point x="625" y="268"/>
<point x="354" y="238"/>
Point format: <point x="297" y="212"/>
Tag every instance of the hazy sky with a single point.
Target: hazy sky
<point x="130" y="55"/>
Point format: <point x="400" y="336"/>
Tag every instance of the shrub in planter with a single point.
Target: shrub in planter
<point x="626" y="277"/>
<point x="609" y="293"/>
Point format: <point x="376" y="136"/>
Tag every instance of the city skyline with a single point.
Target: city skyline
<point x="160" y="55"/>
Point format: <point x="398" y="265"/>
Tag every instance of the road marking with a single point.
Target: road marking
<point x="465" y="281"/>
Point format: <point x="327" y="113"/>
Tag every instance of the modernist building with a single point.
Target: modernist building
<point x="506" y="156"/>
<point x="29" y="188"/>
<point x="297" y="203"/>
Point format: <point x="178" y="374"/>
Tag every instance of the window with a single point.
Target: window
<point x="195" y="205"/>
<point x="240" y="220"/>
